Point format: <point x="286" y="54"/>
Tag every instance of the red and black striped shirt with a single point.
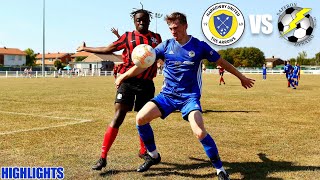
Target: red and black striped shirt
<point x="128" y="41"/>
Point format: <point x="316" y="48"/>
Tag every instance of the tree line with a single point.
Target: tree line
<point x="239" y="57"/>
<point x="254" y="57"/>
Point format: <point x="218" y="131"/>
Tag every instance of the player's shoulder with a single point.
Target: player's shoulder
<point x="154" y="34"/>
<point x="169" y="42"/>
<point x="198" y="42"/>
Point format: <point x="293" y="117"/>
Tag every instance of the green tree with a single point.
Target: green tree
<point x="242" y="56"/>
<point x="58" y="64"/>
<point x="255" y="57"/>
<point x="237" y="57"/>
<point x="317" y="59"/>
<point x="302" y="58"/>
<point x="293" y="61"/>
<point x="80" y="58"/>
<point x="31" y="57"/>
<point x="227" y="54"/>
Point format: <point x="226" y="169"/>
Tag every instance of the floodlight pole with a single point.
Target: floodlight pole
<point x="43" y="36"/>
<point x="157" y="16"/>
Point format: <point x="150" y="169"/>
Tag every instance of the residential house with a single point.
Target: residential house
<point x="273" y="62"/>
<point x="98" y="61"/>
<point x="82" y="54"/>
<point x="50" y="58"/>
<point x="12" y="57"/>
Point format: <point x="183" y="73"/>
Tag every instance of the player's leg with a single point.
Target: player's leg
<point x="210" y="147"/>
<point x="296" y="79"/>
<point x="149" y="112"/>
<point x="291" y="81"/>
<point x="160" y="106"/>
<point x="123" y="103"/>
<point x="145" y="92"/>
<point x="288" y="79"/>
<point x="222" y="78"/>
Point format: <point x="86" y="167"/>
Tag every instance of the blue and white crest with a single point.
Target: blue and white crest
<point x="222" y="23"/>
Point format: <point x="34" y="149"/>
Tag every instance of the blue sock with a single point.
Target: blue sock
<point x="146" y="134"/>
<point x="211" y="150"/>
<point x="291" y="82"/>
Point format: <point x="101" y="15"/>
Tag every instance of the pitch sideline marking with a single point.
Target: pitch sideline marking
<point x="79" y="121"/>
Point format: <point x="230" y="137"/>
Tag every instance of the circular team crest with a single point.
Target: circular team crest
<point x="295" y="24"/>
<point x="223" y="24"/>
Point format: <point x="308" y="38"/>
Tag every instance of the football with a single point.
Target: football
<point x="303" y="29"/>
<point x="143" y="55"/>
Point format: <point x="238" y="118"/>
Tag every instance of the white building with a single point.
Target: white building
<point x="12" y="57"/>
<point x="94" y="62"/>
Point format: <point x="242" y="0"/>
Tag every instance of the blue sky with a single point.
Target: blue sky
<point x="70" y="22"/>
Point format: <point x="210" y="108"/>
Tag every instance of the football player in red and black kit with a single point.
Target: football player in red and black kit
<point x="221" y="72"/>
<point x="135" y="91"/>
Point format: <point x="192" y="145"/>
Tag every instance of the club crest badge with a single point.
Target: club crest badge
<point x="223" y="24"/>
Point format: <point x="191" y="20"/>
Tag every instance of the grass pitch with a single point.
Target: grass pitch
<point x="266" y="132"/>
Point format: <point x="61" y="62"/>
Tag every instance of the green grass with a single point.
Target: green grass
<point x="267" y="132"/>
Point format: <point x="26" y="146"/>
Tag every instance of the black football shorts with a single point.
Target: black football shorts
<point x="135" y="93"/>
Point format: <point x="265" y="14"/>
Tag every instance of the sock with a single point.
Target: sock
<point x="212" y="151"/>
<point x="154" y="154"/>
<point x="109" y="138"/>
<point x="221" y="169"/>
<point x="143" y="148"/>
<point x="288" y="83"/>
<point x="292" y="83"/>
<point x="146" y="134"/>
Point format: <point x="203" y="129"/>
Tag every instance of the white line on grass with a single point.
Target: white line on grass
<point x="79" y="121"/>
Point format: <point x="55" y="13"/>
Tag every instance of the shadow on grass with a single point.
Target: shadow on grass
<point x="217" y="111"/>
<point x="114" y="172"/>
<point x="248" y="170"/>
<point x="260" y="170"/>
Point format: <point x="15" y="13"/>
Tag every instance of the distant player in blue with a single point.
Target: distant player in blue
<point x="182" y="90"/>
<point x="288" y="71"/>
<point x="264" y="72"/>
<point x="296" y="74"/>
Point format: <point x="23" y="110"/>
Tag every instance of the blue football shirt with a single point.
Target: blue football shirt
<point x="183" y="66"/>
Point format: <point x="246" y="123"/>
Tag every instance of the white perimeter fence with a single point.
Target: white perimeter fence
<point x="55" y="74"/>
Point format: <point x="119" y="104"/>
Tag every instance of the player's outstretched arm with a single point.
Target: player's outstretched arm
<point x="132" y="72"/>
<point x="103" y="50"/>
<point x="115" y="32"/>
<point x="245" y="82"/>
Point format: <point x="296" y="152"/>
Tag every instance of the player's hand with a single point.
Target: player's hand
<point x="115" y="32"/>
<point x="247" y="82"/>
<point x="81" y="48"/>
<point x="119" y="80"/>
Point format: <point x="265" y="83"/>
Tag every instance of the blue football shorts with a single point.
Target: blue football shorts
<point x="168" y="104"/>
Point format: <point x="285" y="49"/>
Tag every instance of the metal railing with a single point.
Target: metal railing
<point x="88" y="73"/>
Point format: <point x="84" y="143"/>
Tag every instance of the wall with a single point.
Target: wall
<point x="14" y="60"/>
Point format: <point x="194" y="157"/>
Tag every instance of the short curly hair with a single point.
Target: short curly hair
<point x="149" y="13"/>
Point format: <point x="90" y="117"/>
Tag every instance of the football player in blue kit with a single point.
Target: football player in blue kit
<point x="296" y="73"/>
<point x="287" y="70"/>
<point x="183" y="55"/>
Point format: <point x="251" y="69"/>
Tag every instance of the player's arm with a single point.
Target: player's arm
<point x="132" y="72"/>
<point x="246" y="82"/>
<point x="115" y="32"/>
<point x="101" y="50"/>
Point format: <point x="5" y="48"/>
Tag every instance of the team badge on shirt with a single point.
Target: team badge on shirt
<point x="192" y="53"/>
